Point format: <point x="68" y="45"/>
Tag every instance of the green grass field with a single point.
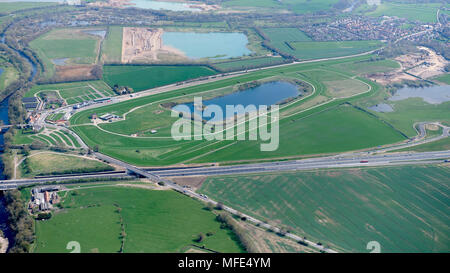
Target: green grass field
<point x="8" y="75"/>
<point x="320" y="50"/>
<point x="74" y="92"/>
<point x="10" y="7"/>
<point x="425" y="13"/>
<point x="76" y="46"/>
<point x="405" y="209"/>
<point x="278" y="35"/>
<point x="145" y="77"/>
<point x="52" y="163"/>
<point x="297" y="6"/>
<point x="153" y="221"/>
<point x="112" y="46"/>
<point x="412" y="110"/>
<point x="367" y="67"/>
<point x="281" y="37"/>
<point x="294" y="42"/>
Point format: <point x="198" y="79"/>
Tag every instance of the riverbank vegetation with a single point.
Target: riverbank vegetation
<point x="20" y="222"/>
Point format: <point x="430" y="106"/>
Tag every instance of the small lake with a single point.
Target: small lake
<point x="1" y="71"/>
<point x="266" y="94"/>
<point x="434" y="94"/>
<point x="217" y="45"/>
<point x="159" y="5"/>
<point x="381" y="108"/>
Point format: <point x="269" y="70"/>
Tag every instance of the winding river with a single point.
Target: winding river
<point x="5" y="119"/>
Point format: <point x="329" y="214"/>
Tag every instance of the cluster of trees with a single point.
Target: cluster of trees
<point x="20" y="222"/>
<point x="122" y="90"/>
<point x="249" y="85"/>
<point x="227" y="222"/>
<point x="393" y="50"/>
<point x="267" y="44"/>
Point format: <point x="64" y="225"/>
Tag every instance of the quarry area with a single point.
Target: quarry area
<point x="423" y="65"/>
<point x="146" y="45"/>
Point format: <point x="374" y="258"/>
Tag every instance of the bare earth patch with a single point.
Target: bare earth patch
<point x="141" y="44"/>
<point x="194" y="182"/>
<point x="425" y="64"/>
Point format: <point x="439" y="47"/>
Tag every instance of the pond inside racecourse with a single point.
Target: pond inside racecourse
<point x="265" y="94"/>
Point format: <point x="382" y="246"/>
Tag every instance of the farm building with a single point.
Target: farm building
<point x="108" y="116"/>
<point x="30" y="100"/>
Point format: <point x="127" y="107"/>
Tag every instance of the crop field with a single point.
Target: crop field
<point x="145" y="77"/>
<point x="46" y="136"/>
<point x="298" y="6"/>
<point x="112" y="46"/>
<point x="294" y="42"/>
<point x="404" y="208"/>
<point x="368" y="66"/>
<point x="347" y="128"/>
<point x="337" y="85"/>
<point x="8" y="75"/>
<point x="278" y="35"/>
<point x="425" y="13"/>
<point x="155" y="221"/>
<point x="74" y="92"/>
<point x="52" y="163"/>
<point x="75" y="47"/>
<point x="445" y="79"/>
<point x="9" y="7"/>
<point x="320" y="50"/>
<point x="440" y="145"/>
<point x="281" y="37"/>
<point x="409" y="111"/>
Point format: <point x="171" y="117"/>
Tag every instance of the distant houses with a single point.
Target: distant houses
<point x="43" y="198"/>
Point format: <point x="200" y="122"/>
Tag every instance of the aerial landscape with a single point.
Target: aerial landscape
<point x="225" y="126"/>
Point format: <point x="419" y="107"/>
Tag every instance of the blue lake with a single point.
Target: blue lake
<point x="217" y="45"/>
<point x="160" y="5"/>
<point x="434" y="94"/>
<point x="266" y="94"/>
<point x="1" y="71"/>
